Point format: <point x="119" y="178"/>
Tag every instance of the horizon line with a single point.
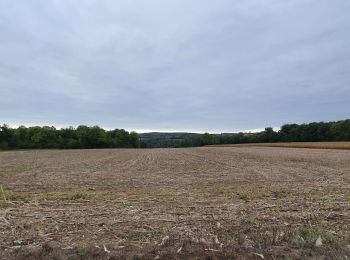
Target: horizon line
<point x="158" y="130"/>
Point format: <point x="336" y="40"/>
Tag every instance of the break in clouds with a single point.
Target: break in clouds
<point x="174" y="65"/>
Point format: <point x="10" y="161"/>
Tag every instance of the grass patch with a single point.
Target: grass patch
<point x="81" y="252"/>
<point x="243" y="196"/>
<point x="8" y="170"/>
<point x="251" y="222"/>
<point x="77" y="195"/>
<point x="11" y="195"/>
<point x="243" y="190"/>
<point x="347" y="197"/>
<point x="144" y="235"/>
<point x="59" y="196"/>
<point x="307" y="236"/>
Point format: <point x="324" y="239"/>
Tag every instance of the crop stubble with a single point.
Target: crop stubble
<point x="175" y="203"/>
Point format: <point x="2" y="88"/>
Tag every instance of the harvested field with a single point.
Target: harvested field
<point x="313" y="145"/>
<point x="211" y="202"/>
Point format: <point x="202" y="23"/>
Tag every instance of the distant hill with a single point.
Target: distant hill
<point x="179" y="136"/>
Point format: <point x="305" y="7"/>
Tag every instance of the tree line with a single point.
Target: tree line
<point x="47" y="137"/>
<point x="312" y="132"/>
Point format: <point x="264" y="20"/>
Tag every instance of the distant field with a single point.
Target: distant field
<point x="314" y="145"/>
<point x="207" y="202"/>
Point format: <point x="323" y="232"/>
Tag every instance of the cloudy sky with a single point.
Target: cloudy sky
<point x="174" y="65"/>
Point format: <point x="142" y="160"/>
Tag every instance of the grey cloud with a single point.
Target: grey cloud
<point x="174" y="65"/>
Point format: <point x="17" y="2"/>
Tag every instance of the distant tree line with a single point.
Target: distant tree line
<point x="189" y="141"/>
<point x="313" y="132"/>
<point x="46" y="137"/>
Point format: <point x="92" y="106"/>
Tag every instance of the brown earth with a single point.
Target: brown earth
<point x="314" y="145"/>
<point x="213" y="203"/>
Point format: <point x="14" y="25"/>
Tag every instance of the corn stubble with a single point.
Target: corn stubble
<point x="208" y="202"/>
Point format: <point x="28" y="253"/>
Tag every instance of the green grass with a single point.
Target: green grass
<point x="76" y="195"/>
<point x="347" y="197"/>
<point x="307" y="236"/>
<point x="149" y="235"/>
<point x="57" y="196"/>
<point x="11" y="195"/>
<point x="8" y="170"/>
<point x="243" y="196"/>
<point x="81" y="252"/>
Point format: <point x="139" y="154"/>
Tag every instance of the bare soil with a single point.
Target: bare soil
<point x="205" y="203"/>
<point x="313" y="145"/>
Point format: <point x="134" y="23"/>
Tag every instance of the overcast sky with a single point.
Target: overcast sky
<point x="174" y="65"/>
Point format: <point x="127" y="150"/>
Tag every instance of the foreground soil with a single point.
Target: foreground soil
<point x="313" y="145"/>
<point x="205" y="203"/>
